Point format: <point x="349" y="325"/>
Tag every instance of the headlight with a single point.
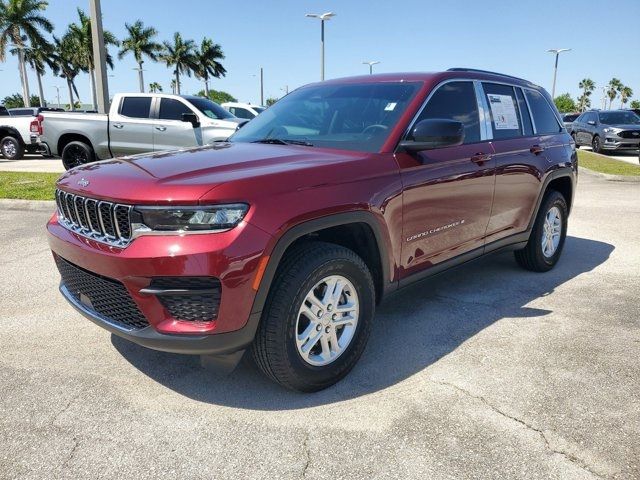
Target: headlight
<point x="176" y="219"/>
<point x="611" y="130"/>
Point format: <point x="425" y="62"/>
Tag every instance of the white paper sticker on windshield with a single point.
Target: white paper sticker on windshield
<point x="503" y="111"/>
<point x="390" y="107"/>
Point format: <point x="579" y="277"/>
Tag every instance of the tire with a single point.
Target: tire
<point x="277" y="348"/>
<point x="573" y="135"/>
<point x="534" y="256"/>
<point x="77" y="153"/>
<point x="596" y="144"/>
<point x="11" y="148"/>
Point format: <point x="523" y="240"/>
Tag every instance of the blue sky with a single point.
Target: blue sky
<point x="409" y="35"/>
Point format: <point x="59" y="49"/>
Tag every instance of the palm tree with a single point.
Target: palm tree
<point x="20" y="19"/>
<point x="64" y="54"/>
<point x="140" y="42"/>
<point x="39" y="57"/>
<point x="181" y="55"/>
<point x="588" y="86"/>
<point x="612" y="90"/>
<point x="207" y="64"/>
<point x="155" y="87"/>
<point x="625" y="94"/>
<point x="173" y="85"/>
<point x="84" y="54"/>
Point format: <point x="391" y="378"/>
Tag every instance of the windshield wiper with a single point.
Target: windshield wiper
<point x="284" y="141"/>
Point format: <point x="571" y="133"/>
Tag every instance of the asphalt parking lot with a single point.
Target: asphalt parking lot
<point x="484" y="372"/>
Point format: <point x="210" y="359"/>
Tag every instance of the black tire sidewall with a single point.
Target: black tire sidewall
<point x="594" y="142"/>
<point x="89" y="154"/>
<point x="19" y="149"/>
<point x="554" y="199"/>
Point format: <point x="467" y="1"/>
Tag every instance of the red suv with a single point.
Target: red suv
<point x="285" y="238"/>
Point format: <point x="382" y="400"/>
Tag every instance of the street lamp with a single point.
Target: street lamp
<point x="261" y="85"/>
<point x="557" y="52"/>
<point x="140" y="77"/>
<point x="322" y="17"/>
<point x="371" y="64"/>
<point x="58" y="90"/>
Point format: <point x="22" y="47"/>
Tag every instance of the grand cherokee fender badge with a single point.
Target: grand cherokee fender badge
<point x="442" y="228"/>
<point x="83" y="182"/>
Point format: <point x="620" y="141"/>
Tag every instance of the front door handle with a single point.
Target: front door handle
<point x="161" y="129"/>
<point x="119" y="126"/>
<point x="536" y="149"/>
<point x="480" y="158"/>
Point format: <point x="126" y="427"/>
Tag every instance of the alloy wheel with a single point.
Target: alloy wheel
<point x="551" y="232"/>
<point x="9" y="149"/>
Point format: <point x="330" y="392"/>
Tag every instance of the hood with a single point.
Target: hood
<point x="184" y="176"/>
<point x="625" y="126"/>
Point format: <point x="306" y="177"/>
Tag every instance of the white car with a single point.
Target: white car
<point x="243" y="110"/>
<point x="18" y="135"/>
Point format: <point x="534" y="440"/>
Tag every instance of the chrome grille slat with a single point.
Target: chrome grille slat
<point x="103" y="221"/>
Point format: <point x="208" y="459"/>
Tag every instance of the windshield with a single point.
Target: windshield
<point x="259" y="109"/>
<point x="619" y="118"/>
<point x="209" y="108"/>
<point x="348" y="116"/>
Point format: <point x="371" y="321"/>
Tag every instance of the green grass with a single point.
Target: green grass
<point x="28" y="186"/>
<point x="602" y="164"/>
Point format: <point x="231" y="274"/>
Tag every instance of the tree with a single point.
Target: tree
<point x="83" y="55"/>
<point x="588" y="86"/>
<point x="218" y="96"/>
<point x="181" y="55"/>
<point x="207" y="64"/>
<point x="635" y="104"/>
<point x="21" y="20"/>
<point x="565" y="103"/>
<point x="174" y="86"/>
<point x="155" y="87"/>
<point x="16" y="101"/>
<point x="65" y="58"/>
<point x="141" y="43"/>
<point x="270" y="101"/>
<point x="39" y="57"/>
<point x="612" y="90"/>
<point x="625" y="94"/>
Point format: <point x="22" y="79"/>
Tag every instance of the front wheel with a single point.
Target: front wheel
<point x="11" y="148"/>
<point x="596" y="145"/>
<point x="317" y="319"/>
<point x="77" y="153"/>
<point x="547" y="237"/>
<point x="575" y="140"/>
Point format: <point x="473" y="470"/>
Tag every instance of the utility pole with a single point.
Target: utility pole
<point x="99" y="56"/>
<point x="261" y="87"/>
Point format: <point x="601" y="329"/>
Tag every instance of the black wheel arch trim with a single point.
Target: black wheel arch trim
<point x="300" y="230"/>
<point x="561" y="172"/>
<point x="8" y="131"/>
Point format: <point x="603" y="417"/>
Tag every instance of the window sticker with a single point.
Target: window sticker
<point x="390" y="107"/>
<point x="503" y="111"/>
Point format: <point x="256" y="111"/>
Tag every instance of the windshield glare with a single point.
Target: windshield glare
<point x="619" y="118"/>
<point x="349" y="116"/>
<point x="210" y="109"/>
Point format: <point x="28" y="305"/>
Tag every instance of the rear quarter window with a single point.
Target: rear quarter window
<point x="544" y="118"/>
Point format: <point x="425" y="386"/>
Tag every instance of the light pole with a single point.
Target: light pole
<point x="261" y="85"/>
<point x="557" y="52"/>
<point x="322" y="17"/>
<point x="58" y="90"/>
<point x="371" y="64"/>
<point x="140" y="77"/>
<point x="100" y="56"/>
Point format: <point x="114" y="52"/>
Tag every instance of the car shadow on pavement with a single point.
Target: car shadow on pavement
<point x="413" y="329"/>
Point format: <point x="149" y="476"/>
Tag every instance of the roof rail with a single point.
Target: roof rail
<point x="477" y="70"/>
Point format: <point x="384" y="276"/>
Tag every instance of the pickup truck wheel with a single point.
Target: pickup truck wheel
<point x="77" y="153"/>
<point x="317" y="318"/>
<point x="11" y="148"/>
<point x="548" y="235"/>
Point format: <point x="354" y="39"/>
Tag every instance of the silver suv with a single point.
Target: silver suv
<point x="607" y="130"/>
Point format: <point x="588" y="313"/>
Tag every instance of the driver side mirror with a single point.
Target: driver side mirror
<point x="191" y="118"/>
<point x="433" y="133"/>
<point x="591" y="122"/>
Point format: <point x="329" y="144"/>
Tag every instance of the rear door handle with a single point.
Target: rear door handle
<point x="119" y="126"/>
<point x="480" y="158"/>
<point x="161" y="129"/>
<point x="536" y="149"/>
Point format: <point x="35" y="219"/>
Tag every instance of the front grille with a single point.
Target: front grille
<point x="635" y="134"/>
<point x="104" y="296"/>
<point x="194" y="299"/>
<point x="105" y="222"/>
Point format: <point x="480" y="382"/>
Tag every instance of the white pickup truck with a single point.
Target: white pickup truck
<point x="136" y="123"/>
<point x="18" y="135"/>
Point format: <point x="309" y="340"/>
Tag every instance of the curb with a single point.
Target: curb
<point x="608" y="177"/>
<point x="15" y="204"/>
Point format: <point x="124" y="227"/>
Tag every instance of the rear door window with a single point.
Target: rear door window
<point x="503" y="110"/>
<point x="171" y="109"/>
<point x="455" y="101"/>
<point x="135" y="107"/>
<point x="544" y="118"/>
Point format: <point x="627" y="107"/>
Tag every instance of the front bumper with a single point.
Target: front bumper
<point x="613" y="142"/>
<point x="232" y="257"/>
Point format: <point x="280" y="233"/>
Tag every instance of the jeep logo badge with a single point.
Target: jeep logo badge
<point x="83" y="183"/>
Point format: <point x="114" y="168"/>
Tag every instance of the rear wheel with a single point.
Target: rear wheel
<point x="77" y="153"/>
<point x="317" y="319"/>
<point x="11" y="148"/>
<point x="547" y="237"/>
